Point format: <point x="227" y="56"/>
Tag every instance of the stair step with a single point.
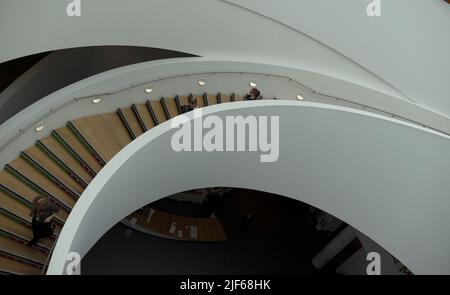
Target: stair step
<point x="42" y="182"/>
<point x="22" y="231"/>
<point x="171" y="107"/>
<point x="15" y="207"/>
<point x="66" y="158"/>
<point x="53" y="169"/>
<point x="117" y="128"/>
<point x="77" y="147"/>
<point x="238" y="98"/>
<point x="212" y="100"/>
<point x="200" y="101"/>
<point x="11" y="266"/>
<point x="225" y="98"/>
<point x="106" y="134"/>
<point x="159" y="111"/>
<point x="132" y="121"/>
<point x="22" y="193"/>
<point x="145" y="115"/>
<point x="22" y="251"/>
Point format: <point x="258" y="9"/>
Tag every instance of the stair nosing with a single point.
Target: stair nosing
<point x="32" y="184"/>
<point x="58" y="182"/>
<point x="61" y="163"/>
<point x="73" y="153"/>
<point x="86" y="143"/>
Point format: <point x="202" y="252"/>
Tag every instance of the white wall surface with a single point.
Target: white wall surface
<point x="409" y="54"/>
<point x="386" y="178"/>
<point x="393" y="54"/>
<point x="169" y="78"/>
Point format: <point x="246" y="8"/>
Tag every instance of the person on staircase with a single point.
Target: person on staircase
<point x="42" y="212"/>
<point x="254" y="94"/>
<point x="192" y="104"/>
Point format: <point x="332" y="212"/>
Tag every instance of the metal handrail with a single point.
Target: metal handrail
<point x="313" y="92"/>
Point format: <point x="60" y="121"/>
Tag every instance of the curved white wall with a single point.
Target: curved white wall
<point x="386" y="178"/>
<point x="179" y="76"/>
<point x="332" y="38"/>
<point x="408" y="54"/>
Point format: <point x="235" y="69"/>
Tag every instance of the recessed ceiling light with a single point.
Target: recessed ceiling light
<point x="97" y="100"/>
<point x="299" y="97"/>
<point x="201" y="82"/>
<point x="39" y="128"/>
<point x="252" y="84"/>
<point x="148" y="90"/>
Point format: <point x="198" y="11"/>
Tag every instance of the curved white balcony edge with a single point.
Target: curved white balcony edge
<point x="386" y="178"/>
<point x="179" y="76"/>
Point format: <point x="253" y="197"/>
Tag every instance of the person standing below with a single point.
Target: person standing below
<point x="254" y="94"/>
<point x="43" y="211"/>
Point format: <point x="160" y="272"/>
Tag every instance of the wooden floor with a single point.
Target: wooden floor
<point x="179" y="227"/>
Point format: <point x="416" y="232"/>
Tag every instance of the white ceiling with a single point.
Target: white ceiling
<point x="407" y="45"/>
<point x="395" y="53"/>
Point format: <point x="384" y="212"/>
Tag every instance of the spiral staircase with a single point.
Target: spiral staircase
<point x="63" y="164"/>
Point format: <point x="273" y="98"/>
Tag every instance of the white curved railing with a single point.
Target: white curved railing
<point x="385" y="177"/>
<point x="312" y="93"/>
<point x="175" y="76"/>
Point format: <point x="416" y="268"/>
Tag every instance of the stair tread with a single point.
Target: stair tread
<point x="77" y="146"/>
<point x="159" y="111"/>
<point x="212" y="99"/>
<point x="117" y="128"/>
<point x="200" y="101"/>
<point x="13" y="227"/>
<point x="15" y="267"/>
<point x="145" y="115"/>
<point x="184" y="100"/>
<point x="172" y="107"/>
<point x="226" y="98"/>
<point x="38" y="178"/>
<point x="64" y="156"/>
<point x="42" y="158"/>
<point x="13" y="183"/>
<point x="15" y="207"/>
<point x="96" y="131"/>
<point x="19" y="187"/>
<point x="132" y="121"/>
<point x="18" y="249"/>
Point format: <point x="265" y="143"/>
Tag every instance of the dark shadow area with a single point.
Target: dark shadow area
<point x="13" y="69"/>
<point x="60" y="68"/>
<point x="280" y="239"/>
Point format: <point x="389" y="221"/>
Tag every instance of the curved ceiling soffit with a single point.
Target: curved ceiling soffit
<point x="397" y="91"/>
<point x="387" y="46"/>
<point x="349" y="187"/>
<point x="345" y="69"/>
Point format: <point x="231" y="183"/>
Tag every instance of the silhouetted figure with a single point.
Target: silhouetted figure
<point x="43" y="210"/>
<point x="254" y="94"/>
<point x="244" y="224"/>
<point x="192" y="104"/>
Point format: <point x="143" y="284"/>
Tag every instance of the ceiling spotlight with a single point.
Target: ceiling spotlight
<point x="299" y="97"/>
<point x="252" y="84"/>
<point x="148" y="90"/>
<point x="39" y="128"/>
<point x="201" y="82"/>
<point x="97" y="100"/>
